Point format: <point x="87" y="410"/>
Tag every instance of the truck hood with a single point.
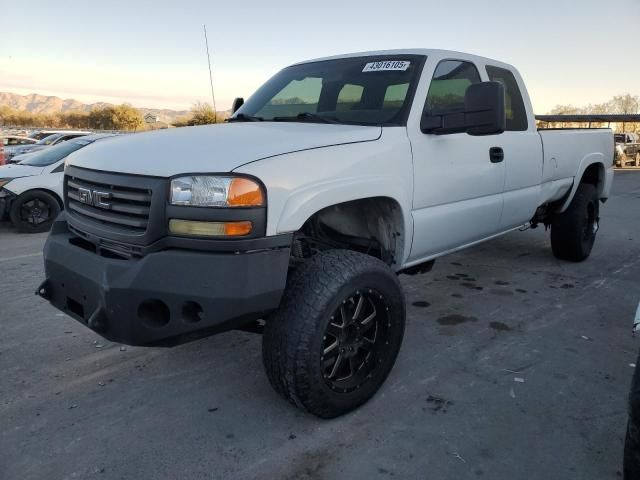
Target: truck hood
<point x="213" y="148"/>
<point x="17" y="170"/>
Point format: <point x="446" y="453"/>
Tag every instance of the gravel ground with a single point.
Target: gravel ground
<point x="514" y="365"/>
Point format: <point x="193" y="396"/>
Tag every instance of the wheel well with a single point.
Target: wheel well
<point x="594" y="175"/>
<point x="373" y="226"/>
<point x="50" y="192"/>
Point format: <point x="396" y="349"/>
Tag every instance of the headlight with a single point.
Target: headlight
<point x="4" y="181"/>
<point x="210" y="191"/>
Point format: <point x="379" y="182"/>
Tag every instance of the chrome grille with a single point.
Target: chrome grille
<point x="123" y="207"/>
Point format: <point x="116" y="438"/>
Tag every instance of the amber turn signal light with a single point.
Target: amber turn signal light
<point x="244" y="193"/>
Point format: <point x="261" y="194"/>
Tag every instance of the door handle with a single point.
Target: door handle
<point x="496" y="154"/>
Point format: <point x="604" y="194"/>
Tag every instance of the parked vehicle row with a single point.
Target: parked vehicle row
<point x="49" y="140"/>
<point x="31" y="191"/>
<point x="627" y="149"/>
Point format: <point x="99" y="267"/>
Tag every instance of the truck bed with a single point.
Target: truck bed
<point x="565" y="155"/>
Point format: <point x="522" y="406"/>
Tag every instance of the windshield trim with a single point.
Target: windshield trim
<point x="420" y="60"/>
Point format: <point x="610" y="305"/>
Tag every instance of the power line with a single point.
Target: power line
<point x="213" y="97"/>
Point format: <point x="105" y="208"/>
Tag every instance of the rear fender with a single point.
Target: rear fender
<point x="603" y="184"/>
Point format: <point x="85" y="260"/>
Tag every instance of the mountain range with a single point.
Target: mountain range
<point x="45" y="104"/>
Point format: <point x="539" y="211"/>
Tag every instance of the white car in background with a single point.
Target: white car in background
<point x="31" y="191"/>
<point x="49" y="141"/>
<point x="16" y="140"/>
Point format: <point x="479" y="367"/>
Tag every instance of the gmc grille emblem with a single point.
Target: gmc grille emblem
<point x="95" y="198"/>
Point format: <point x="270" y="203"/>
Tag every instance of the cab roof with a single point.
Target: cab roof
<point x="438" y="53"/>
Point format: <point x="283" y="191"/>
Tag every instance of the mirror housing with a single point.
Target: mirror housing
<point x="483" y="113"/>
<point x="237" y="103"/>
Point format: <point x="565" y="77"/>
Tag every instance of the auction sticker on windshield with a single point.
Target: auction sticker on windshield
<point x="397" y="65"/>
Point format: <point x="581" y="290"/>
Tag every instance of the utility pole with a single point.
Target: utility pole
<point x="213" y="97"/>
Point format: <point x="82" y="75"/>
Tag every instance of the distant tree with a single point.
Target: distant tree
<point x="620" y="104"/>
<point x="202" y="114"/>
<point x="126" y="117"/>
<point x="75" y="119"/>
<point x="100" y="118"/>
<point x="626" y="104"/>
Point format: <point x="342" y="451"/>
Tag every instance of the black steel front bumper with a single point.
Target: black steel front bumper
<point x="168" y="296"/>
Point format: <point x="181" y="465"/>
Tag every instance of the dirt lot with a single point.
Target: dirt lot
<point x="514" y="365"/>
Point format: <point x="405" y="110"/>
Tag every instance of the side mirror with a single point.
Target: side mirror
<point x="483" y="113"/>
<point x="237" y="103"/>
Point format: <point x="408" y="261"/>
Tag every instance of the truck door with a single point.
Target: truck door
<point x="458" y="178"/>
<point x="522" y="147"/>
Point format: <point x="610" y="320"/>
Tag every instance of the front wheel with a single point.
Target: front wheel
<point x="637" y="162"/>
<point x="335" y="338"/>
<point x="34" y="211"/>
<point x="573" y="231"/>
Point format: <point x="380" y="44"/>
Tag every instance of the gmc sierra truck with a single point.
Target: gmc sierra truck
<point x="297" y="215"/>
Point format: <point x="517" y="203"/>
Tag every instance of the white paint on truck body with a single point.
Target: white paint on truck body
<point x="449" y="192"/>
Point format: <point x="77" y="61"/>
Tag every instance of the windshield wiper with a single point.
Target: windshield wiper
<point x="242" y="117"/>
<point x="307" y="116"/>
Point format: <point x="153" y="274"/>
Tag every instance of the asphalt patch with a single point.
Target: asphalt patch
<point x="450" y="320"/>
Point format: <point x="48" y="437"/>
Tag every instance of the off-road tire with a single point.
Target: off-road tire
<point x="573" y="231"/>
<point x="294" y="337"/>
<point x="49" y="206"/>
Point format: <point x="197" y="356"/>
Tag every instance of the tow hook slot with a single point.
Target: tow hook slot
<point x="44" y="290"/>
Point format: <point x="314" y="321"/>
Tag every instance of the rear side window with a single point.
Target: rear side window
<point x="514" y="105"/>
<point x="449" y="84"/>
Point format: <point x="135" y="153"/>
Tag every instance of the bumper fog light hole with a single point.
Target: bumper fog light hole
<point x="191" y="312"/>
<point x="154" y="313"/>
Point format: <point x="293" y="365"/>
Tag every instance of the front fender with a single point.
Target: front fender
<point x="303" y="203"/>
<point x="302" y="183"/>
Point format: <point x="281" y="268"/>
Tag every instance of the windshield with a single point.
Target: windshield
<point x="359" y="90"/>
<point x="52" y="155"/>
<point x="40" y="135"/>
<point x="50" y="139"/>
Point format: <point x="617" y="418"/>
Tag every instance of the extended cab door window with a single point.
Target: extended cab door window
<point x="514" y="105"/>
<point x="448" y="86"/>
<point x="522" y="154"/>
<point x="457" y="195"/>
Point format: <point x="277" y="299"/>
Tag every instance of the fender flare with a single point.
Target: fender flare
<point x="586" y="162"/>
<point x="302" y="204"/>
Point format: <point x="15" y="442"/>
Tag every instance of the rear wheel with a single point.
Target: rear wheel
<point x="34" y="212"/>
<point x="335" y="338"/>
<point x="573" y="231"/>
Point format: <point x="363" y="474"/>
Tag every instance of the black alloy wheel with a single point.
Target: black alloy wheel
<point x="34" y="211"/>
<point x="354" y="341"/>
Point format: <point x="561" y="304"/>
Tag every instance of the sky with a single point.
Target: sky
<point x="152" y="53"/>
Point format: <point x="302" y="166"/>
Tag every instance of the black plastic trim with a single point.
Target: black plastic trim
<point x="109" y="293"/>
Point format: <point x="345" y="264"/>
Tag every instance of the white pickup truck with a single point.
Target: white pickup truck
<point x="298" y="214"/>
